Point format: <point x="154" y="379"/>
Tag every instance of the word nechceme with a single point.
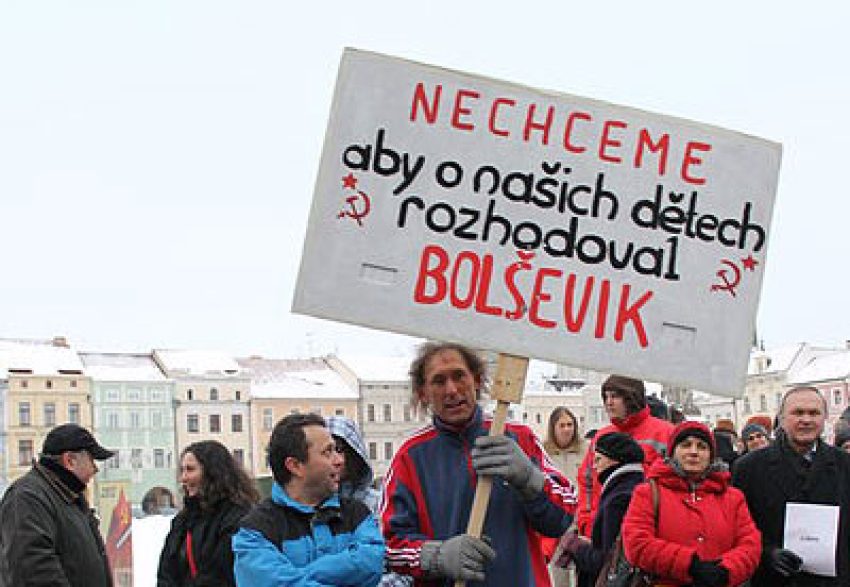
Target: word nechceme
<point x="577" y="132"/>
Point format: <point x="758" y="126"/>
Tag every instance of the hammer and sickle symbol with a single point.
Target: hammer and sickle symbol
<point x="724" y="275"/>
<point x="354" y="212"/>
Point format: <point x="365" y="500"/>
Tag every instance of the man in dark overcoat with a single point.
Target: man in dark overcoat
<point x="798" y="468"/>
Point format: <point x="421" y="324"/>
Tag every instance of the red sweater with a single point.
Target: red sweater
<point x="710" y="520"/>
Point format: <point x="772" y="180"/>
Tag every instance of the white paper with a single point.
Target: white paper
<point x="811" y="531"/>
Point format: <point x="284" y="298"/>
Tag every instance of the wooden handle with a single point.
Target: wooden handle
<point x="508" y="385"/>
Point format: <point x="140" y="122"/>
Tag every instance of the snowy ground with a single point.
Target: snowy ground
<point x="148" y="537"/>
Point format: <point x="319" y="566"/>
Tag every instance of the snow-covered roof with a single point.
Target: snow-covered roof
<point x="295" y="379"/>
<point x="829" y="367"/>
<point x="40" y="357"/>
<point x="196" y="363"/>
<point x="775" y="360"/>
<point x="121" y="367"/>
<point x="375" y="368"/>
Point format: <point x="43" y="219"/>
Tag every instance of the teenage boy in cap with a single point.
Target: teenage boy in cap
<point x="48" y="533"/>
<point x="625" y="403"/>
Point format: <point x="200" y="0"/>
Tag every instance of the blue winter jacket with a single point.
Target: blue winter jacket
<point x="284" y="542"/>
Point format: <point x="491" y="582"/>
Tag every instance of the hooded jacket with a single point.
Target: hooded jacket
<point x="651" y="433"/>
<point x="707" y="518"/>
<point x="429" y="492"/>
<point x="360" y="487"/>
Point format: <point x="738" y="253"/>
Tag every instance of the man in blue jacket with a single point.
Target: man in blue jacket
<point x="305" y="534"/>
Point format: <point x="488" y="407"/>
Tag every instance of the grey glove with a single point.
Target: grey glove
<point x="500" y="455"/>
<point x="460" y="557"/>
<point x="784" y="561"/>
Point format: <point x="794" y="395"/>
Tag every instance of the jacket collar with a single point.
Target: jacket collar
<point x="280" y="497"/>
<point x="465" y="429"/>
<point x="56" y="483"/>
<point x="631" y="421"/>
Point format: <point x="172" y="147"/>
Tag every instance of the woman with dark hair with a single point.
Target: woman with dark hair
<point x="702" y="534"/>
<point x="218" y="493"/>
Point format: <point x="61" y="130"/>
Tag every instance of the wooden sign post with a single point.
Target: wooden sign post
<point x="507" y="388"/>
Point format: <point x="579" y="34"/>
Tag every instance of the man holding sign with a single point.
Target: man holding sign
<point x="430" y="485"/>
<point x="799" y="482"/>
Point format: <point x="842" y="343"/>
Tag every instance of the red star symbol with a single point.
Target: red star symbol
<point x="349" y="181"/>
<point x="749" y="263"/>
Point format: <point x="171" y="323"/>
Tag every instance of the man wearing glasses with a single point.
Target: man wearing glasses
<point x="48" y="533"/>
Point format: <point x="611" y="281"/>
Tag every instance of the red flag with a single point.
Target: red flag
<point x="119" y="542"/>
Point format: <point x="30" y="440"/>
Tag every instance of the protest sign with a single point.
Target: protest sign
<point x="456" y="207"/>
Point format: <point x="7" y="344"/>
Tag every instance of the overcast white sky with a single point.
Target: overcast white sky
<point x="157" y="159"/>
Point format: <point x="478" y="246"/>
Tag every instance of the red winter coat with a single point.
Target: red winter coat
<point x="649" y="432"/>
<point x="712" y="521"/>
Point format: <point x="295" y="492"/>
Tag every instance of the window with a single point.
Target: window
<point x="73" y="383"/>
<point x="836" y="397"/>
<point x="406" y="413"/>
<point x="159" y="458"/>
<point x="24" y="415"/>
<point x="190" y="395"/>
<point x="339" y="412"/>
<point x="25" y="453"/>
<point x="239" y="456"/>
<point x="370" y="413"/>
<point x="112" y="419"/>
<point x="388" y="450"/>
<point x="112" y="395"/>
<point x="157" y="395"/>
<point x="136" y="458"/>
<point x="50" y="414"/>
<point x="747" y="409"/>
<point x="24" y="383"/>
<point x="74" y="413"/>
<point x="134" y="394"/>
<point x="48" y="384"/>
<point x="373" y="450"/>
<point x="156" y="419"/>
<point x="238" y="395"/>
<point x="316" y="410"/>
<point x="268" y="417"/>
<point x="109" y="492"/>
<point x="114" y="462"/>
<point x="763" y="402"/>
<point x="538" y="418"/>
<point x="192" y="423"/>
<point x="135" y="420"/>
<point x="778" y="398"/>
<point x="213" y="394"/>
<point x="525" y="416"/>
<point x="215" y="423"/>
<point x="388" y="413"/>
<point x="236" y="423"/>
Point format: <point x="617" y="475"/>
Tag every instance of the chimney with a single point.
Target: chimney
<point x="61" y="342"/>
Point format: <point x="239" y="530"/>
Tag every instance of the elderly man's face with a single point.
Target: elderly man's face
<point x="803" y="418"/>
<point x="450" y="387"/>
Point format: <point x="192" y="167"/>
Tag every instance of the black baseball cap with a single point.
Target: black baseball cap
<point x="72" y="437"/>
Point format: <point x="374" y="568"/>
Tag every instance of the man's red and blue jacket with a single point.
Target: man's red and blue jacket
<point x="428" y="494"/>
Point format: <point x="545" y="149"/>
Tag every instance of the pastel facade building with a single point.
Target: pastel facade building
<point x="133" y="414"/>
<point x="280" y="387"/>
<point x="211" y="400"/>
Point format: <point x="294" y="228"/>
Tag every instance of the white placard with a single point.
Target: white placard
<point x="811" y="531"/>
<point x="456" y="207"/>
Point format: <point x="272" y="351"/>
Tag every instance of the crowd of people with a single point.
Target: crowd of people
<point x="670" y="500"/>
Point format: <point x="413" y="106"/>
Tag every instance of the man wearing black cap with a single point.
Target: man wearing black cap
<point x="48" y="533"/>
<point x="625" y="403"/>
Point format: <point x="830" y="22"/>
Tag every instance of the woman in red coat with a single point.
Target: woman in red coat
<point x="705" y="536"/>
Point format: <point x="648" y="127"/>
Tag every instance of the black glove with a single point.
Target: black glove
<point x="784" y="561"/>
<point x="708" y="573"/>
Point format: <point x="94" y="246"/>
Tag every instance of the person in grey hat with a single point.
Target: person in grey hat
<point x="48" y="533"/>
